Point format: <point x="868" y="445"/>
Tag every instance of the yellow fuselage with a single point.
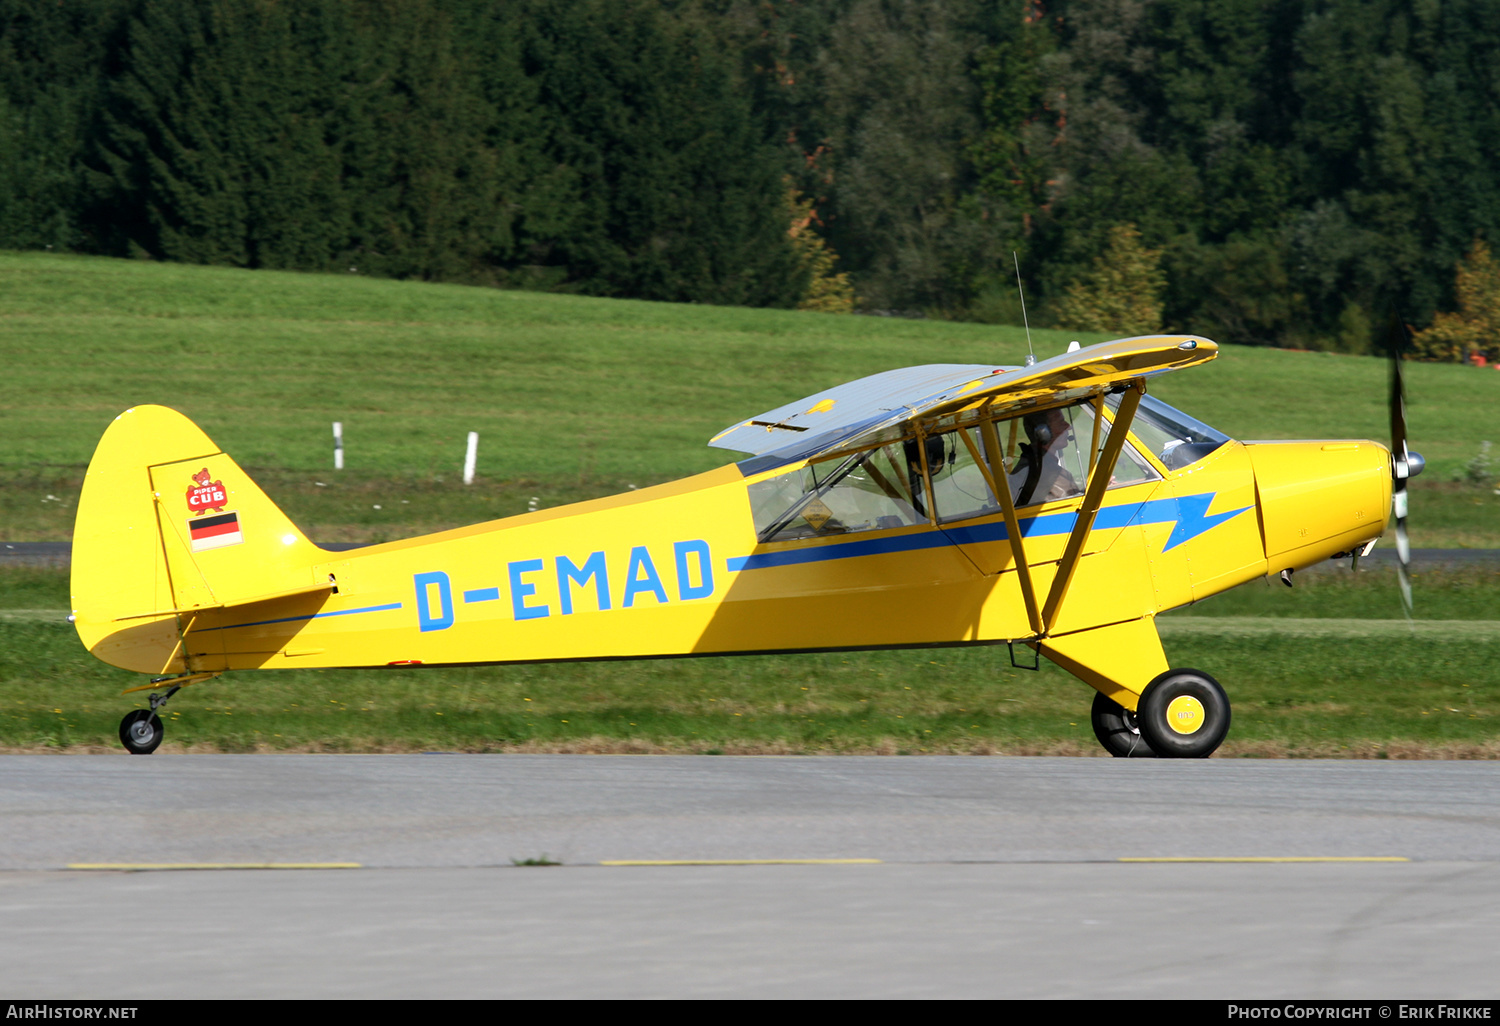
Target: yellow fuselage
<point x="677" y="570"/>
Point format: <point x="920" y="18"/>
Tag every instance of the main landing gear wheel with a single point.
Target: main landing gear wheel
<point x="1183" y="714"/>
<point x="1116" y="728"/>
<point x="141" y="732"/>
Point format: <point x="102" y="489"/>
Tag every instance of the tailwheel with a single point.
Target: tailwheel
<point x="1183" y="714"/>
<point x="1117" y="729"/>
<point x="141" y="732"/>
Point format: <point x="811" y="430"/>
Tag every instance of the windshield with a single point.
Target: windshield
<point x="1177" y="439"/>
<point x="945" y="476"/>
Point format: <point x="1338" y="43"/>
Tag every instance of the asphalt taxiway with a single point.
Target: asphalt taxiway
<point x="721" y="876"/>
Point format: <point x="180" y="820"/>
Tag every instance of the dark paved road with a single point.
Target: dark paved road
<point x="998" y="877"/>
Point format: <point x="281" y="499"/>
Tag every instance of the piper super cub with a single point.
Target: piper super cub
<point x="1056" y="507"/>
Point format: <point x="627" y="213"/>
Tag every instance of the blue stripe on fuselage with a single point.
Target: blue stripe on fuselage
<point x="1189" y="514"/>
<point x="310" y="616"/>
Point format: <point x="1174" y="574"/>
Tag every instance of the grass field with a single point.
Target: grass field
<point x="577" y="397"/>
<point x="573" y="397"/>
<point x="1321" y="670"/>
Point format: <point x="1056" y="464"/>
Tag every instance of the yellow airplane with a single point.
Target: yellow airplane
<point x="1053" y="507"/>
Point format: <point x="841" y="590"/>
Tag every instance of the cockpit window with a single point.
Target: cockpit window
<point x="863" y="491"/>
<point x="1052" y="462"/>
<point x="944" y="475"/>
<point x="1177" y="439"/>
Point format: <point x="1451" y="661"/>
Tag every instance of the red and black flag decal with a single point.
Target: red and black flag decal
<point x="215" y="532"/>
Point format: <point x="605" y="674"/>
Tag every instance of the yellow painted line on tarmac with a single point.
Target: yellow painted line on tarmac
<point x="136" y="867"/>
<point x="1271" y="858"/>
<point x="742" y="862"/>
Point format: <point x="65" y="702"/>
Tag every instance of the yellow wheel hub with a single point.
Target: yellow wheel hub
<point x="1185" y="714"/>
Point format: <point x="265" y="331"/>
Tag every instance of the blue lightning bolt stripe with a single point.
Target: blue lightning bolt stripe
<point x="1189" y="516"/>
<point x="1192" y="518"/>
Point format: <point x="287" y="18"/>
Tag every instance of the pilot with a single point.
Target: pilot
<point x="1040" y="475"/>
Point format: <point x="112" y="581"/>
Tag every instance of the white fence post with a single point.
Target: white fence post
<point x="470" y="457"/>
<point x="338" y="445"/>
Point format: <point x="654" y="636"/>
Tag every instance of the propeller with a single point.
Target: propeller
<point x="1405" y="464"/>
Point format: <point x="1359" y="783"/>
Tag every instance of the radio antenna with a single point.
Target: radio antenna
<point x="1030" y="354"/>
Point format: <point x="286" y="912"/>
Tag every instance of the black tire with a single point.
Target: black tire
<point x="141" y="732"/>
<point x="1183" y="714"/>
<point x="1115" y="727"/>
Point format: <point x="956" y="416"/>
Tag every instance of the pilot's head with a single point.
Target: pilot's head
<point x="936" y="454"/>
<point x="1047" y="429"/>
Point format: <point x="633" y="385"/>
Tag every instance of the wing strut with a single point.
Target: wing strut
<point x="1000" y="486"/>
<point x="1093" y="498"/>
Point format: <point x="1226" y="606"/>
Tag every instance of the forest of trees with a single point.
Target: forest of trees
<point x="1260" y="171"/>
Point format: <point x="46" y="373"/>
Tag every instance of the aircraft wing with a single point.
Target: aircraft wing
<point x="846" y="415"/>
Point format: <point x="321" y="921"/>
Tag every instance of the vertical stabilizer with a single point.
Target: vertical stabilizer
<point x="168" y="525"/>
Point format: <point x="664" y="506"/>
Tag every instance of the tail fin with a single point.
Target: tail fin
<point x="167" y="526"/>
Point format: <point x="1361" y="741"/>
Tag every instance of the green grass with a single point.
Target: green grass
<point x="1321" y="670"/>
<point x="573" y="397"/>
<point x="353" y="506"/>
<point x="1370" y="594"/>
<point x="577" y="397"/>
